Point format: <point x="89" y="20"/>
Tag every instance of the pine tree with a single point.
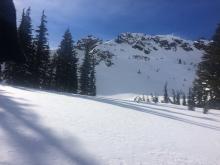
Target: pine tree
<point x="178" y="93"/>
<point x="26" y="41"/>
<point x="184" y="99"/>
<point x="66" y="71"/>
<point x="92" y="83"/>
<point x="174" y="96"/>
<point x="52" y="71"/>
<point x="19" y="74"/>
<point x="42" y="56"/>
<point x="12" y="72"/>
<point x="200" y="92"/>
<point x="19" y="70"/>
<point x="85" y="74"/>
<point x="0" y="72"/>
<point x="191" y="100"/>
<point x="9" y="73"/>
<point x="207" y="85"/>
<point x="166" y="97"/>
<point x="87" y="71"/>
<point x="155" y="98"/>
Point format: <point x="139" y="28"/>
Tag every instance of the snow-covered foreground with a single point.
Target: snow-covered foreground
<point x="40" y="128"/>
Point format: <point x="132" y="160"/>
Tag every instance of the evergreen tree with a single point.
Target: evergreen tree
<point x="155" y="98"/>
<point x="178" y="93"/>
<point x="92" y="89"/>
<point x="207" y="85"/>
<point x="85" y="74"/>
<point x="174" y="96"/>
<point x="191" y="100"/>
<point x="9" y="73"/>
<point x="87" y="71"/>
<point x="19" y="70"/>
<point x="26" y="41"/>
<point x="52" y="71"/>
<point x="0" y="72"/>
<point x="166" y="97"/>
<point x="184" y="99"/>
<point x="201" y="95"/>
<point x="19" y="74"/>
<point x="12" y="72"/>
<point x="66" y="71"/>
<point x="41" y="66"/>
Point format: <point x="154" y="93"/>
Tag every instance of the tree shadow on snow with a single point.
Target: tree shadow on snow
<point x="37" y="144"/>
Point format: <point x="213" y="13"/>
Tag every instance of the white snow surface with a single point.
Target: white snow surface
<point x="122" y="78"/>
<point x="48" y="128"/>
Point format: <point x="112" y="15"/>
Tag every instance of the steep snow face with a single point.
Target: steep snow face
<point x="142" y="64"/>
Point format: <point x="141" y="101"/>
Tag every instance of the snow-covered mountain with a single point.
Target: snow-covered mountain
<point x="136" y="63"/>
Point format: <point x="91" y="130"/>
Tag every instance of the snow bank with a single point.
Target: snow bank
<point x="43" y="128"/>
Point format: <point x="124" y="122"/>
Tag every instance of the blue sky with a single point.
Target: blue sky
<point x="190" y="19"/>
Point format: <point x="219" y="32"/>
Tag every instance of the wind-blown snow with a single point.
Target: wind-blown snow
<point x="43" y="128"/>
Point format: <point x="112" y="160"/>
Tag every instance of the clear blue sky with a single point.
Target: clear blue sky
<point x="190" y="19"/>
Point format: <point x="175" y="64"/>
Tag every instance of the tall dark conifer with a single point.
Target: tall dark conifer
<point x="166" y="97"/>
<point x="201" y="95"/>
<point x="16" y="73"/>
<point x="87" y="71"/>
<point x="178" y="94"/>
<point x="92" y="84"/>
<point x="26" y="41"/>
<point x="184" y="99"/>
<point x="85" y="74"/>
<point x="19" y="70"/>
<point x="0" y="72"/>
<point x="52" y="71"/>
<point x="42" y="55"/>
<point x="66" y="71"/>
<point x="9" y="73"/>
<point x="207" y="85"/>
<point x="174" y="96"/>
<point x="191" y="100"/>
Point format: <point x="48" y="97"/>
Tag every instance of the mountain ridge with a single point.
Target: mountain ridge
<point x="142" y="64"/>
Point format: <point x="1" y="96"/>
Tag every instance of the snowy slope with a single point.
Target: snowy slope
<point x="42" y="128"/>
<point x="156" y="58"/>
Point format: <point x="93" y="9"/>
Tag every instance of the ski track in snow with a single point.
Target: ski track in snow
<point x="44" y="128"/>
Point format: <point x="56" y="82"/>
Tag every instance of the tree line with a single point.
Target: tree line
<point x="205" y="92"/>
<point x="206" y="87"/>
<point x="60" y="71"/>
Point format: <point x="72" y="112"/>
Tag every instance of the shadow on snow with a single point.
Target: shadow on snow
<point x="36" y="148"/>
